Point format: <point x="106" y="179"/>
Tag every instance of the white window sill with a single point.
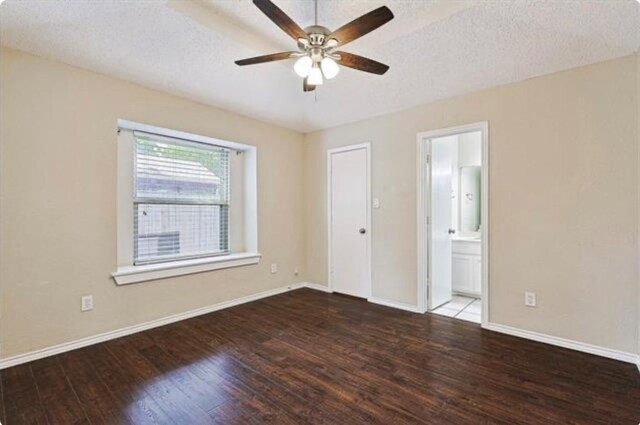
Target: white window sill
<point x="133" y="274"/>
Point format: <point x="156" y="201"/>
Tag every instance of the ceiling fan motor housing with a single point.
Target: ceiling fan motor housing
<point x="317" y="35"/>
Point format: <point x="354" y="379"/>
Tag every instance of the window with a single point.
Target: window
<point x="186" y="203"/>
<point x="181" y="200"/>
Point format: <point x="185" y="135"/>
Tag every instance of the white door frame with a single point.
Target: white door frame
<point x="423" y="204"/>
<point x="367" y="147"/>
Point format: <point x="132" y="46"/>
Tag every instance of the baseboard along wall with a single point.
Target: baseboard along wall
<point x="566" y="343"/>
<point x="95" y="339"/>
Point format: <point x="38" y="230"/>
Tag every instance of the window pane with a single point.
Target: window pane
<point x="164" y="231"/>
<point x="181" y="171"/>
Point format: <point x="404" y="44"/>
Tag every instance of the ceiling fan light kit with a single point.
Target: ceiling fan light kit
<point x="317" y="58"/>
<point x="315" y="76"/>
<point x="329" y="67"/>
<point x="303" y="66"/>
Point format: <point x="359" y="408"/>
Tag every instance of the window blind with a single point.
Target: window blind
<point x="181" y="199"/>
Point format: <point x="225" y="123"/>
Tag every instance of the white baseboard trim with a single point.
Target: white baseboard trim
<point x="317" y="287"/>
<point x="84" y="342"/>
<point x="467" y="294"/>
<point x="387" y="303"/>
<point x="394" y="304"/>
<point x="566" y="343"/>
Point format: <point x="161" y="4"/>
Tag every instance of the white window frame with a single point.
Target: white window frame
<point x="127" y="272"/>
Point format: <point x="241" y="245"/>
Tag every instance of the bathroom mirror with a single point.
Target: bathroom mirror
<point x="469" y="196"/>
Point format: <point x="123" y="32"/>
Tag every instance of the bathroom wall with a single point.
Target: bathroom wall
<point x="470" y="149"/>
<point x="467" y="152"/>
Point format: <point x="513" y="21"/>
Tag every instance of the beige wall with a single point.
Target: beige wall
<point x="58" y="204"/>
<point x="563" y="206"/>
<point x="563" y="200"/>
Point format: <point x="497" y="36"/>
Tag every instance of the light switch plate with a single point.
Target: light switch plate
<point x="376" y="203"/>
<point x="530" y="299"/>
<point x="86" y="303"/>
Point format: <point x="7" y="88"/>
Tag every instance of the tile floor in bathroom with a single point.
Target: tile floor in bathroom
<point x="461" y="307"/>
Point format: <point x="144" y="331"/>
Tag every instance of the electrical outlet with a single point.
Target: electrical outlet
<point x="87" y="303"/>
<point x="274" y="268"/>
<point x="530" y="299"/>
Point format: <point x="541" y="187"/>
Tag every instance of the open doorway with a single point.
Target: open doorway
<point x="453" y="222"/>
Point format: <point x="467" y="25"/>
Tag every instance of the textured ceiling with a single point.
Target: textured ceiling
<point x="436" y="48"/>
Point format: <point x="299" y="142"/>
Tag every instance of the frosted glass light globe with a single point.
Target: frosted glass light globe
<point x="302" y="66"/>
<point x="329" y="68"/>
<point x="315" y="76"/>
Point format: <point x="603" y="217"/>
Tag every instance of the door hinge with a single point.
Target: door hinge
<point x="428" y="220"/>
<point x="428" y="158"/>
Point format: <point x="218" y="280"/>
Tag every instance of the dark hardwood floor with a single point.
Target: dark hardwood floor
<point x="309" y="357"/>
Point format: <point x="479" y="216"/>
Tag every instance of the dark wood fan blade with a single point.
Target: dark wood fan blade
<point x="266" y="58"/>
<point x="361" y="26"/>
<point x="280" y="19"/>
<point x="307" y="87"/>
<point x="361" y="63"/>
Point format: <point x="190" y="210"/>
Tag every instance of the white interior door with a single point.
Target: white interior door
<point x="440" y="249"/>
<point x="348" y="232"/>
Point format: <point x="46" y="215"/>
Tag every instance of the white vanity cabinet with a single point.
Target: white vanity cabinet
<point x="467" y="267"/>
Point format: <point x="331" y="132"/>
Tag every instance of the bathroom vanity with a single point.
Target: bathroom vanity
<point x="466" y="263"/>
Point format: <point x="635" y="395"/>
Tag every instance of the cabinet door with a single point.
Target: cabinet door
<point x="476" y="275"/>
<point x="461" y="273"/>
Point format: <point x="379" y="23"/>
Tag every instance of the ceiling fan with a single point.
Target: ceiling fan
<point x="318" y="57"/>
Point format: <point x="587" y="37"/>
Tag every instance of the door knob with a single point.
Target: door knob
<point x="452" y="231"/>
<point x="362" y="231"/>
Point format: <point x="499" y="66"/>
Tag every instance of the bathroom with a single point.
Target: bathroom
<point x="457" y="166"/>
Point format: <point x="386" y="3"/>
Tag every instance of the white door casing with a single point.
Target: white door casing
<point x="441" y="223"/>
<point x="422" y="213"/>
<point x="349" y="220"/>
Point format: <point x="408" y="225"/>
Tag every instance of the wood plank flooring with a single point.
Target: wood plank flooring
<point x="309" y="357"/>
